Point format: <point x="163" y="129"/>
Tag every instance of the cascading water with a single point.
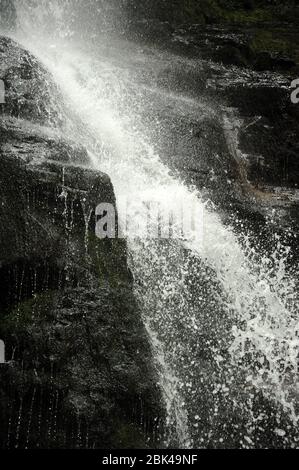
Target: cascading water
<point x="222" y="317"/>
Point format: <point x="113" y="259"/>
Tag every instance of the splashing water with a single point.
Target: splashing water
<point x="222" y="316"/>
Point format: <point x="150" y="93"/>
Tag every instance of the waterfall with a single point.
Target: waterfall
<point x="222" y="316"/>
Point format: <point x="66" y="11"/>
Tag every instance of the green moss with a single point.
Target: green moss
<point x="128" y="436"/>
<point x="201" y="11"/>
<point x="247" y="17"/>
<point x="23" y="314"/>
<point x="108" y="258"/>
<point x="274" y="43"/>
<point x="264" y="41"/>
<point x="194" y="11"/>
<point x="184" y="11"/>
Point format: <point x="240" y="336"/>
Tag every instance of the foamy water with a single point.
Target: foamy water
<point x="222" y="317"/>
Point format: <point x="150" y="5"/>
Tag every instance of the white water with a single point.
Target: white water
<point x="223" y="317"/>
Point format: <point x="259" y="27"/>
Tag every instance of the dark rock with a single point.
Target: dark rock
<point x="231" y="55"/>
<point x="266" y="61"/>
<point x="30" y="92"/>
<point x="79" y="370"/>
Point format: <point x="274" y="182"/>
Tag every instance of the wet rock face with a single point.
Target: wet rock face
<point x="29" y="91"/>
<point x="268" y="144"/>
<point x="79" y="371"/>
<point x="260" y="35"/>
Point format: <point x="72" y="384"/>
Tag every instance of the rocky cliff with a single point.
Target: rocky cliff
<point x="79" y="368"/>
<point x="259" y="34"/>
<point x="243" y="58"/>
